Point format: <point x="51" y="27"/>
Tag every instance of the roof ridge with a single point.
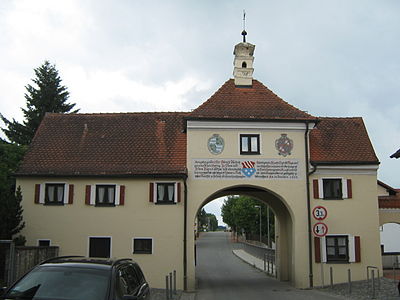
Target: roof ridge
<point x="335" y="118"/>
<point x="119" y="113"/>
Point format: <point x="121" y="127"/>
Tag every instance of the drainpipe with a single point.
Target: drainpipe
<point x="185" y="198"/>
<point x="310" y="263"/>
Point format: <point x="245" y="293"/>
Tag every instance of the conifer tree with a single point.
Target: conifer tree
<point x="47" y="95"/>
<point x="10" y="197"/>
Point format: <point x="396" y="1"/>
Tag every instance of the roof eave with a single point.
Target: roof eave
<point x="343" y="163"/>
<point x="182" y="175"/>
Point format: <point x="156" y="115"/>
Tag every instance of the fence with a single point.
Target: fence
<point x="19" y="260"/>
<point x="389" y="259"/>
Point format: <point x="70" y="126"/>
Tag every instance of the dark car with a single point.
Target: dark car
<point x="81" y="278"/>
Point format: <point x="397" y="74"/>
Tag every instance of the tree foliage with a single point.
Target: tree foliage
<point x="10" y="197"/>
<point x="206" y="221"/>
<point x="242" y="214"/>
<point x="47" y="95"/>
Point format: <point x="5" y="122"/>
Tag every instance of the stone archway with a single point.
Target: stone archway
<point x="283" y="217"/>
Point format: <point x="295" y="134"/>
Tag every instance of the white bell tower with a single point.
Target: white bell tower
<point x="243" y="63"/>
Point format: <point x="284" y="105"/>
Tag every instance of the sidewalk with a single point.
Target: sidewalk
<point x="255" y="261"/>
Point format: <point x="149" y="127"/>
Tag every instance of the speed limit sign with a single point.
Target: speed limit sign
<point x="320" y="229"/>
<point x="319" y="213"/>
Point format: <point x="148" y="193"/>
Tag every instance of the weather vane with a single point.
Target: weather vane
<point x="244" y="33"/>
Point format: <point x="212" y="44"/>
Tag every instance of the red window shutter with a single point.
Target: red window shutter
<point x="122" y="195"/>
<point x="71" y="194"/>
<point x="178" y="189"/>
<point x="87" y="195"/>
<point x="316" y="189"/>
<point x="349" y="189"/>
<point x="317" y="249"/>
<point x="357" y="248"/>
<point x="37" y="193"/>
<point x="151" y="193"/>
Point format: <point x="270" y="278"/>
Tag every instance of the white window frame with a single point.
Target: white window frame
<point x="163" y="182"/>
<point x="351" y="247"/>
<point x="140" y="237"/>
<point x="99" y="236"/>
<point x="42" y="193"/>
<point x="345" y="194"/>
<point x="116" y="196"/>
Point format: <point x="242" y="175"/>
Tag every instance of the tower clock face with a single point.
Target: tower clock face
<point x="216" y="144"/>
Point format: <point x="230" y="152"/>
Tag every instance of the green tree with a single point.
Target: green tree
<point x="241" y="214"/>
<point x="206" y="221"/>
<point x="212" y="222"/>
<point x="10" y="198"/>
<point x="48" y="95"/>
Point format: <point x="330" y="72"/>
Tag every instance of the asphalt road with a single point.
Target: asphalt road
<point x="221" y="275"/>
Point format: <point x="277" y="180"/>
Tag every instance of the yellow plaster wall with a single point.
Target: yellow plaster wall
<point x="357" y="216"/>
<point x="70" y="226"/>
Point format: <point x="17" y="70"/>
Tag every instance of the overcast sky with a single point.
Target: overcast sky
<point x="330" y="58"/>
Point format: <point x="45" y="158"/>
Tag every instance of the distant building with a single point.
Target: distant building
<point x="396" y="154"/>
<point x="131" y="184"/>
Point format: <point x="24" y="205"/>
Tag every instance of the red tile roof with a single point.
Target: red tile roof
<point x="150" y="144"/>
<point x="108" y="144"/>
<point x="256" y="102"/>
<point x="392" y="201"/>
<point x="341" y="140"/>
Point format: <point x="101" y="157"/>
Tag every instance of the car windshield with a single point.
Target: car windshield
<point x="62" y="283"/>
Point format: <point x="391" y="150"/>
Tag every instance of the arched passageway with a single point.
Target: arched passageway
<point x="283" y="222"/>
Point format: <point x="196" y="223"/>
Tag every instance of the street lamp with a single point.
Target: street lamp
<point x="258" y="206"/>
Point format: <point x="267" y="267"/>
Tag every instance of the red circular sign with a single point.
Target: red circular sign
<point x="319" y="213"/>
<point x="320" y="229"/>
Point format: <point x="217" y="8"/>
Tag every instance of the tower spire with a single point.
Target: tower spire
<point x="243" y="62"/>
<point x="244" y="33"/>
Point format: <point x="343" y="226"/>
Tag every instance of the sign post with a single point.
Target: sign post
<point x="320" y="230"/>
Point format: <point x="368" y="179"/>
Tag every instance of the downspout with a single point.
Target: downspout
<point x="185" y="198"/>
<point x="310" y="263"/>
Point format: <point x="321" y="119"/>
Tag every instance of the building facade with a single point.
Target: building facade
<point x="131" y="184"/>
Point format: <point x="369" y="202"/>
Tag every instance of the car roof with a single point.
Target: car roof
<point x="89" y="262"/>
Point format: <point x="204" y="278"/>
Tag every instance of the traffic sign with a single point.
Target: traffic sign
<point x="320" y="229"/>
<point x="319" y="213"/>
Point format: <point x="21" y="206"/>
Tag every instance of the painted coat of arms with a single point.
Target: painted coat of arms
<point x="284" y="145"/>
<point x="248" y="168"/>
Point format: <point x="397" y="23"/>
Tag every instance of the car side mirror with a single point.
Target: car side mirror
<point x="129" y="297"/>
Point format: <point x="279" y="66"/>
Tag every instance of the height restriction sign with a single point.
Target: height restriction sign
<point x="320" y="229"/>
<point x="319" y="213"/>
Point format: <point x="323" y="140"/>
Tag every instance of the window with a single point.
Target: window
<point x="54" y="194"/>
<point x="100" y="247"/>
<point x="105" y="195"/>
<point x="249" y="144"/>
<point x="332" y="188"/>
<point x="143" y="245"/>
<point x="244" y="65"/>
<point x="43" y="243"/>
<point x="165" y="192"/>
<point x="337" y="248"/>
